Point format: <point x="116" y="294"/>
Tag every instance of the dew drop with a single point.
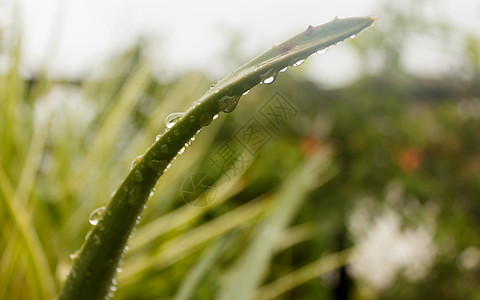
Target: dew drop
<point x="96" y="239"/>
<point x="266" y="74"/>
<point x="205" y="119"/>
<point x="133" y="193"/>
<point x="246" y="92"/>
<point x="195" y="104"/>
<point x="150" y="196"/>
<point x="283" y="70"/>
<point x="158" y="137"/>
<point x="164" y="148"/>
<point x="269" y="80"/>
<point x="176" y="132"/>
<point x="215" y="116"/>
<point x="158" y="165"/>
<point x="228" y="104"/>
<point x="322" y="51"/>
<point x="74" y="256"/>
<point x="212" y="86"/>
<point x="173" y="118"/>
<point x="352" y="36"/>
<point x="119" y="270"/>
<point x="299" y="62"/>
<point x="181" y="150"/>
<point x="135" y="161"/>
<point x="95" y="215"/>
<point x="192" y="119"/>
<point x="137" y="176"/>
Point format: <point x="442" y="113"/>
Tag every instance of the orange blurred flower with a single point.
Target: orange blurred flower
<point x="409" y="160"/>
<point x="310" y="145"/>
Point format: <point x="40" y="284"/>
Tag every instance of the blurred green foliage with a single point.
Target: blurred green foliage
<point x="65" y="146"/>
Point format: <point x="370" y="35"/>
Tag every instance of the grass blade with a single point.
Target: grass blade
<point x="206" y="262"/>
<point x="291" y="280"/>
<point x="252" y="266"/>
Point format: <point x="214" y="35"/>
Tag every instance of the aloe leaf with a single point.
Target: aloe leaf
<point x="95" y="265"/>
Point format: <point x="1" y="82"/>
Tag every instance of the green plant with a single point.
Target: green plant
<point x="95" y="264"/>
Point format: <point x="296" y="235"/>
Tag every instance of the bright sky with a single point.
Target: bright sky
<point x="72" y="36"/>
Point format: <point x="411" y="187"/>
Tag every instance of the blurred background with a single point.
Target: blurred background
<point x="366" y="184"/>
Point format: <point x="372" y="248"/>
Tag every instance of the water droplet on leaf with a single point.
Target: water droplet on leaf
<point x="95" y="215"/>
<point x="322" y="51"/>
<point x="158" y="137"/>
<point x="228" y="103"/>
<point x="269" y="80"/>
<point x="195" y="104"/>
<point x="74" y="256"/>
<point x="173" y="118"/>
<point x="205" y="119"/>
<point x="137" y="176"/>
<point x="181" y="150"/>
<point x="246" y="92"/>
<point x="164" y="148"/>
<point x="135" y="161"/>
<point x="283" y="70"/>
<point x="299" y="62"/>
<point x="158" y="165"/>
